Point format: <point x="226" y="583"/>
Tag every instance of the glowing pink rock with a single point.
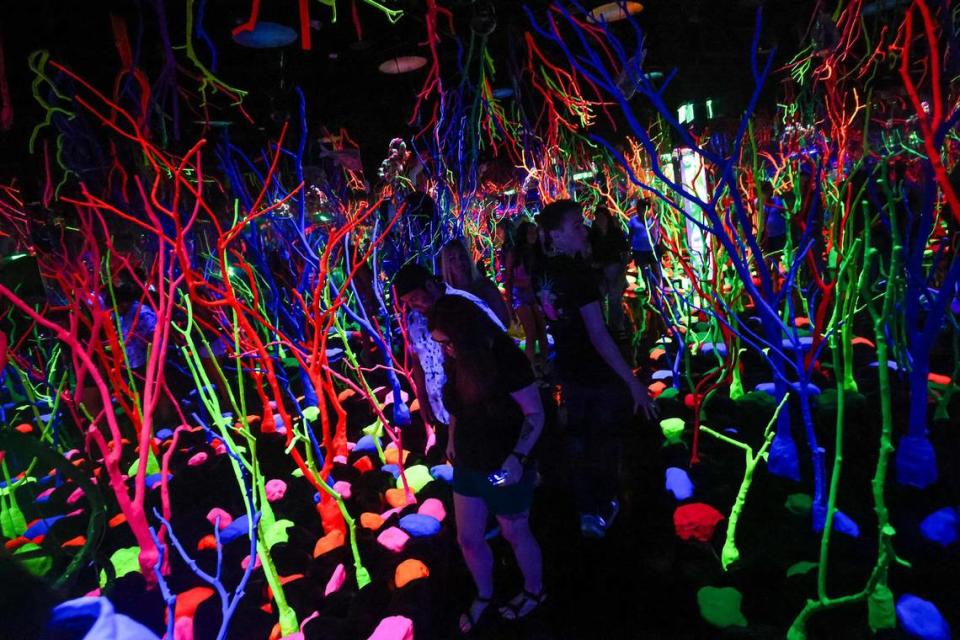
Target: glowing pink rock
<point x="343" y="488"/>
<point x="393" y="628"/>
<point x="246" y="563"/>
<point x="276" y="489"/>
<point x="433" y="508"/>
<point x="696" y="521"/>
<point x="225" y="518"/>
<point x="197" y="459"/>
<point x="393" y="539"/>
<point x="183" y="629"/>
<point x="336" y="580"/>
<point x="340" y="459"/>
<point x="76" y="495"/>
<point x="390" y="512"/>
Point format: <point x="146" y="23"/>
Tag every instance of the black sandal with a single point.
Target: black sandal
<point x="467" y="622"/>
<point x="519" y="611"/>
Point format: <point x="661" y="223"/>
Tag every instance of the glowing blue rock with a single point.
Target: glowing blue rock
<point x="153" y="481"/>
<point x="41" y="527"/>
<point x="366" y="444"/>
<point x="442" y="472"/>
<point x="662" y="374"/>
<point x="942" y="527"/>
<point x="419" y="525"/>
<point x="921" y="619"/>
<point x="236" y="529"/>
<point x="392" y="469"/>
<point x="782" y="460"/>
<point x="803" y="344"/>
<point x="401" y="414"/>
<point x="842" y="523"/>
<point x="711" y="347"/>
<point x="678" y="483"/>
<point x="916" y="462"/>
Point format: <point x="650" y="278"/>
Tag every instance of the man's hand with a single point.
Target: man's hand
<point x="642" y="402"/>
<point x="451" y="452"/>
<point x="514" y="470"/>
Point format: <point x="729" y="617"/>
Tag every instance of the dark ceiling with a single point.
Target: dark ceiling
<point x="707" y="40"/>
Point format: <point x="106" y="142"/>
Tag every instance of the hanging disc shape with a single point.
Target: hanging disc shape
<point x="403" y="64"/>
<point x="614" y="11"/>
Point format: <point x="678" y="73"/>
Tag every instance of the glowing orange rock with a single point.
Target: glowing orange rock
<point x="408" y="571"/>
<point x="392" y="455"/>
<point x="396" y="498"/>
<point x="371" y="521"/>
<point x="329" y="542"/>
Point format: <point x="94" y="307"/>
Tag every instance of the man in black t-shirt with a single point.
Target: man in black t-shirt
<point x="599" y="392"/>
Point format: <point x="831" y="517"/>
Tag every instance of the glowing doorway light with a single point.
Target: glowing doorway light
<point x="685" y="113"/>
<point x="709" y="107"/>
<point x="693" y="176"/>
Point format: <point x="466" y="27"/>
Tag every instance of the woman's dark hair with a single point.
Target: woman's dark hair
<point x="526" y="253"/>
<point x="471" y="375"/>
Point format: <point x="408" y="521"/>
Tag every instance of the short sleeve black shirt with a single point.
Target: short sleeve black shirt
<point x="487" y="431"/>
<point x="570" y="284"/>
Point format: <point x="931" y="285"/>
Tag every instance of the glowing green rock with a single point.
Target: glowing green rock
<point x="881" y="611"/>
<point x="277" y="532"/>
<point x="417" y="476"/>
<point x="799" y="503"/>
<point x="124" y="561"/>
<point x="720" y="606"/>
<point x="800" y="568"/>
<point x="311" y="413"/>
<point x="34" y="559"/>
<point x="672" y="430"/>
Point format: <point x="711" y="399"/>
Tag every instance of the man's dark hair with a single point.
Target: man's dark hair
<point x="552" y="215"/>
<point x="412" y="277"/>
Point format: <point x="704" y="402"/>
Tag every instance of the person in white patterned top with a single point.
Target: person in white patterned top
<point x="418" y="290"/>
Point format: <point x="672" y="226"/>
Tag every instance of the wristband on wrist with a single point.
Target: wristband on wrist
<point x="521" y="457"/>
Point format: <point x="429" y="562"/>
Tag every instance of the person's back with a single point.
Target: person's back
<point x="568" y="285"/>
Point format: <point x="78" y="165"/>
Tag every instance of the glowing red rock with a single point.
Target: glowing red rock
<point x="189" y="600"/>
<point x="696" y="521"/>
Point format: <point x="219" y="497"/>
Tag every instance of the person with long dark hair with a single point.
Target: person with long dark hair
<point x="496" y="417"/>
<point x="524" y="261"/>
<point x="608" y="252"/>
